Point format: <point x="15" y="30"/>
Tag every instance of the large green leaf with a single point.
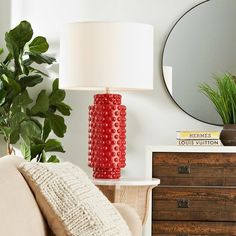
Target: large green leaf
<point x="15" y="42"/>
<point x="11" y="83"/>
<point x="6" y="131"/>
<point x="8" y="59"/>
<point x="1" y="85"/>
<point x="4" y="70"/>
<point x="16" y="119"/>
<point x="2" y="111"/>
<point x="14" y="136"/>
<point x="25" y="150"/>
<point x="13" y="49"/>
<point x="24" y="68"/>
<point x="42" y="103"/>
<point x="37" y="71"/>
<point x="58" y="124"/>
<point x="30" y="81"/>
<point x="3" y="94"/>
<point x="46" y="128"/>
<point x="11" y="86"/>
<point x="3" y="117"/>
<point x="21" y="34"/>
<point x="40" y="58"/>
<point x="39" y="45"/>
<point x="55" y="85"/>
<point x="37" y="122"/>
<point x="53" y="159"/>
<point x="63" y="108"/>
<point x="53" y="145"/>
<point x="36" y="141"/>
<point x="1" y="51"/>
<point x="57" y="96"/>
<point x="29" y="130"/>
<point x="43" y="157"/>
<point x="21" y="101"/>
<point x="36" y="149"/>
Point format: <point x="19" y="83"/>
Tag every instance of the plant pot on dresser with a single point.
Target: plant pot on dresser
<point x="197" y="194"/>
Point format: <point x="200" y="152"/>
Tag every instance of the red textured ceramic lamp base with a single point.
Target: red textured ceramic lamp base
<point x="107" y="136"/>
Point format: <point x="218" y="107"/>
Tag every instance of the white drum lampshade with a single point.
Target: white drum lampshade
<point x="98" y="55"/>
<point x="106" y="56"/>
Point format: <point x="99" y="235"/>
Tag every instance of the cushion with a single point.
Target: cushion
<point x="131" y="217"/>
<point x="71" y="203"/>
<point x="19" y="212"/>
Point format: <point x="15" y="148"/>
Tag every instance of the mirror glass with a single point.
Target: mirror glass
<point x="200" y="45"/>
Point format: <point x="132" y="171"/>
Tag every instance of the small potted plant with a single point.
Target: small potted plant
<point x="223" y="96"/>
<point x="23" y="120"/>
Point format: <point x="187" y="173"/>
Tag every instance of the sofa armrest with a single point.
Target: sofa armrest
<point x="131" y="217"/>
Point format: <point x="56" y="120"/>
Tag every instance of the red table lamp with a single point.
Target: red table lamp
<point x="106" y="56"/>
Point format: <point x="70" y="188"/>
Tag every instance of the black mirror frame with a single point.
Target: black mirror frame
<point x="162" y="58"/>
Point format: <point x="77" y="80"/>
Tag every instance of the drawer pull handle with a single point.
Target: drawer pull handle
<point x="185" y="169"/>
<point x="183" y="203"/>
<point x="181" y="234"/>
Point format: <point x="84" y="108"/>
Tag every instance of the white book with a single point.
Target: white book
<point x="198" y="142"/>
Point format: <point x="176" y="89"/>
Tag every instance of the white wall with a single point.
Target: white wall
<point x="5" y="18"/>
<point x="152" y="117"/>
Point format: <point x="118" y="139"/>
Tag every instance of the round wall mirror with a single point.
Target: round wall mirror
<point x="201" y="44"/>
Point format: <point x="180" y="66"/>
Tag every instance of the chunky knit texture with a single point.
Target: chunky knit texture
<point x="71" y="203"/>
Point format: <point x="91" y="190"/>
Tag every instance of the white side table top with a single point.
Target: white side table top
<point x="127" y="182"/>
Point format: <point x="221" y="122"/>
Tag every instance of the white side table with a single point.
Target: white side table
<point x="134" y="192"/>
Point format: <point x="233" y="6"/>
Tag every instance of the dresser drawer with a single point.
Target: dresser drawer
<point x="195" y="169"/>
<point x="194" y="204"/>
<point x="184" y="228"/>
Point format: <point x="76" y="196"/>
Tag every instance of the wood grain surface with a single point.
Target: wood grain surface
<point x="204" y="204"/>
<point x="178" y="228"/>
<point x="213" y="169"/>
<point x="135" y="196"/>
<point x="197" y="195"/>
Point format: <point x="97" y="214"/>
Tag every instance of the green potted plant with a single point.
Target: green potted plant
<point x="22" y="120"/>
<point x="223" y="96"/>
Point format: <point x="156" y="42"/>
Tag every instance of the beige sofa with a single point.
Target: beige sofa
<point x="19" y="212"/>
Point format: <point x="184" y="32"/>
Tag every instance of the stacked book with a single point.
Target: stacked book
<point x="198" y="138"/>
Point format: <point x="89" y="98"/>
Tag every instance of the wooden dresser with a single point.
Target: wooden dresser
<point x="197" y="194"/>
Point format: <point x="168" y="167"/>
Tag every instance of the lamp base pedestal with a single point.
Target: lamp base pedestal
<point x="107" y="136"/>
